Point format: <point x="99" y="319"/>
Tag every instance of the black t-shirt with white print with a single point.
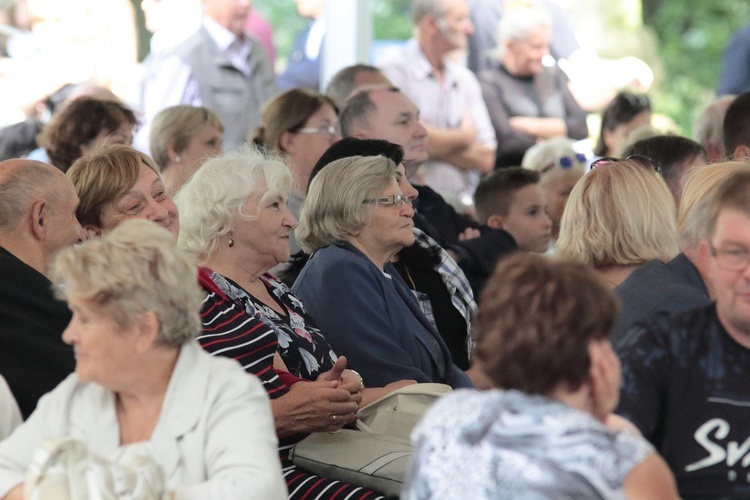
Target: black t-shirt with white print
<point x="686" y="386"/>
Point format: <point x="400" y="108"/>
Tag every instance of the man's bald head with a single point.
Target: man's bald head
<point x="21" y="183"/>
<point x="37" y="212"/>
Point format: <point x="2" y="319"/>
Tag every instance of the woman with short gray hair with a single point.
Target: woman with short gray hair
<point x="355" y="219"/>
<point x="527" y="100"/>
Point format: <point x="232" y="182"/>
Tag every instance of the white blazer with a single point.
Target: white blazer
<point x="215" y="438"/>
<point x="10" y="415"/>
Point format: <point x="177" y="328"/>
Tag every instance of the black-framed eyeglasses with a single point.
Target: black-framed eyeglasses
<point x="565" y="162"/>
<point x="641" y="160"/>
<point x="730" y="259"/>
<point x="323" y="129"/>
<point x="394" y="200"/>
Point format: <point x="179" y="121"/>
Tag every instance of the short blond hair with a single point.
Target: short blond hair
<point x="102" y="176"/>
<point x="621" y="213"/>
<point x="133" y="269"/>
<point x="700" y="183"/>
<point x="334" y="206"/>
<point x="176" y="126"/>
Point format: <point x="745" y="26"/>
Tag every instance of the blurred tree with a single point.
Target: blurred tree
<point x="692" y="36"/>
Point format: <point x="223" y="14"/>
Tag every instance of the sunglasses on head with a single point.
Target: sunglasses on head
<point x="638" y="101"/>
<point x="565" y="162"/>
<point x="641" y="160"/>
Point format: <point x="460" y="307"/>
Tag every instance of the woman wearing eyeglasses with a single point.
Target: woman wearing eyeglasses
<point x="301" y="124"/>
<point x="355" y="219"/>
<point x="619" y="216"/>
<point x="527" y="100"/>
<point x="560" y="167"/>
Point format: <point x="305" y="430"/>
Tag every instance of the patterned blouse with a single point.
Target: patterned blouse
<point x="302" y="346"/>
<point x="509" y="445"/>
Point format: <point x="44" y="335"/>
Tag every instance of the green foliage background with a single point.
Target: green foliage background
<point x="690" y="39"/>
<point x="692" y="36"/>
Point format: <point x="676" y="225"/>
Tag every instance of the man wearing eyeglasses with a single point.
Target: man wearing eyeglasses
<point x="686" y="378"/>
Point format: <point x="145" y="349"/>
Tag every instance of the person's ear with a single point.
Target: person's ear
<point x="171" y="153"/>
<point x="742" y="153"/>
<point x="39" y="222"/>
<point x="495" y="221"/>
<point x="704" y="258"/>
<point x="148" y="331"/>
<point x="430" y="24"/>
<point x="287" y="142"/>
<point x="92" y="231"/>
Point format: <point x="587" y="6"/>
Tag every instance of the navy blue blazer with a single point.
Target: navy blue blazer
<point x="658" y="288"/>
<point x="374" y="320"/>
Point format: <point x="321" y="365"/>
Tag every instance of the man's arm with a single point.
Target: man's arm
<point x="540" y="127"/>
<point x="476" y="157"/>
<point x="442" y="142"/>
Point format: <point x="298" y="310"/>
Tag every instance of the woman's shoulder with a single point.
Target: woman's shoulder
<point x="338" y="261"/>
<point x="562" y="449"/>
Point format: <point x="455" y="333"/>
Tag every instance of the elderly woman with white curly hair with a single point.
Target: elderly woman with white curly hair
<point x="528" y="101"/>
<point x="235" y="220"/>
<point x="141" y="382"/>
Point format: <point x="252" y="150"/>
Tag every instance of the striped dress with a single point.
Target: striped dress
<point x="229" y="330"/>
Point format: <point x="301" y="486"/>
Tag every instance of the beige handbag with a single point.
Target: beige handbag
<point x="396" y="413"/>
<point x="377" y="455"/>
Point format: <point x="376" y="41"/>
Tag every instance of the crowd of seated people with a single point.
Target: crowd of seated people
<point x="511" y="299"/>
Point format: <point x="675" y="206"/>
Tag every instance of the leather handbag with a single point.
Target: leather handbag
<point x="377" y="454"/>
<point x="396" y="413"/>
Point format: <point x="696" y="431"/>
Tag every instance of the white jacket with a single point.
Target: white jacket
<point x="215" y="437"/>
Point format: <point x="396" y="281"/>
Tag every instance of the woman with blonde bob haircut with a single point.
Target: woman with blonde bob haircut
<point x="142" y="381"/>
<point x="355" y="219"/>
<point x="116" y="183"/>
<point x="182" y="137"/>
<point x="618" y="216"/>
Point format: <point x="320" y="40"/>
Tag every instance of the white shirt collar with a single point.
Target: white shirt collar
<point x="219" y="34"/>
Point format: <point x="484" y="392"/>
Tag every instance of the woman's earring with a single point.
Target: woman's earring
<point x="231" y="242"/>
<point x="177" y="159"/>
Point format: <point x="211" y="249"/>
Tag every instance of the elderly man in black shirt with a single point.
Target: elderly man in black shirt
<point x="37" y="218"/>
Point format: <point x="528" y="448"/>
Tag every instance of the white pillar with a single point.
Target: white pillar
<point x="348" y="36"/>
